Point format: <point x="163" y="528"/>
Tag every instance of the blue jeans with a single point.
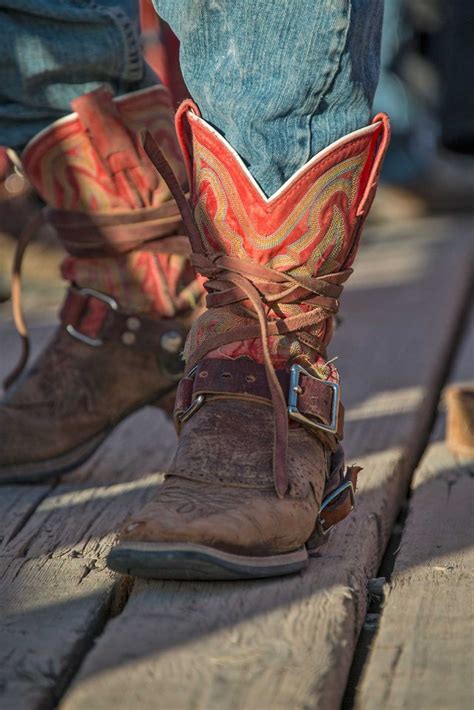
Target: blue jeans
<point x="280" y="79"/>
<point x="55" y="50"/>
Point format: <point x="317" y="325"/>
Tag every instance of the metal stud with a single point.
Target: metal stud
<point x="133" y="323"/>
<point x="172" y="342"/>
<point x="128" y="338"/>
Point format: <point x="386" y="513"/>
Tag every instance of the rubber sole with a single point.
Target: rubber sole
<point x="38" y="471"/>
<point x="187" y="561"/>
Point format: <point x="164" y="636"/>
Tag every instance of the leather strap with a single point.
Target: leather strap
<point x="343" y="504"/>
<point x="92" y="234"/>
<point x="246" y="379"/>
<point x="92" y="317"/>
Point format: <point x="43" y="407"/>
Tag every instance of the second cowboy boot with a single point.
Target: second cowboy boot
<point x="132" y="291"/>
<point x="258" y="478"/>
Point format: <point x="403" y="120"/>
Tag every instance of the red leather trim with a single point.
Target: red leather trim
<point x="99" y="116"/>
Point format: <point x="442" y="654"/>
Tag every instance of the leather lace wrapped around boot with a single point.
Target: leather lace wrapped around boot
<point x="132" y="293"/>
<point x="258" y="478"/>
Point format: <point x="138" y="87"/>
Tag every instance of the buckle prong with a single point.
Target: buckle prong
<point x="195" y="404"/>
<point x="192" y="409"/>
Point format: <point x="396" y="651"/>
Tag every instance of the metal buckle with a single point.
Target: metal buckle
<point x="192" y="409"/>
<point x="346" y="486"/>
<point x="108" y="300"/>
<point x="295" y="413"/>
<point x="195" y="404"/>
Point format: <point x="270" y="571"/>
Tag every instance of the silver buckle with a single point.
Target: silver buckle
<point x="195" y="404"/>
<point x="295" y="413"/>
<point x="111" y="303"/>
<point x="192" y="409"/>
<point x="346" y="486"/>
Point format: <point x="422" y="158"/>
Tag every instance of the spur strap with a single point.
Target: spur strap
<point x="95" y="318"/>
<point x="95" y="234"/>
<point x="313" y="399"/>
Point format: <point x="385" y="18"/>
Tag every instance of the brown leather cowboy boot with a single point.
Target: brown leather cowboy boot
<point x="258" y="478"/>
<point x="132" y="289"/>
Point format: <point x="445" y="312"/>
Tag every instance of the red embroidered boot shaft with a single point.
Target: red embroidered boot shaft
<point x="258" y="477"/>
<point x="132" y="293"/>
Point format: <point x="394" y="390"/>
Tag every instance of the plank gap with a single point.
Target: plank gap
<point x="117" y="602"/>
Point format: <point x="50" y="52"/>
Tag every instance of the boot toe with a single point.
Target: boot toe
<point x="237" y="520"/>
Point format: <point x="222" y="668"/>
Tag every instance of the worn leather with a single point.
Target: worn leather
<point x="89" y="234"/>
<point x="247" y="380"/>
<point x="91" y="316"/>
<point x="220" y="490"/>
<point x="73" y="392"/>
<point x="125" y="244"/>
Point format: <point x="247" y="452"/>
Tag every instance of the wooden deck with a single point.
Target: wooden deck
<point x="75" y="635"/>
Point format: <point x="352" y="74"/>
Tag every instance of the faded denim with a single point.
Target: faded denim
<point x="55" y="50"/>
<point x="281" y="79"/>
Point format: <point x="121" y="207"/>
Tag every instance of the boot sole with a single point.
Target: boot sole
<point x="38" y="471"/>
<point x="187" y="561"/>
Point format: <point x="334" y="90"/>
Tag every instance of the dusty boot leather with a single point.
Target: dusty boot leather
<point x="259" y="476"/>
<point x="132" y="293"/>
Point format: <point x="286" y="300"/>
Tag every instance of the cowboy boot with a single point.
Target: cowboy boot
<point x="258" y="478"/>
<point x="132" y="290"/>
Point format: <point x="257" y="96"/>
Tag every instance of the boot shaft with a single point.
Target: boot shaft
<point x="113" y="213"/>
<point x="92" y="160"/>
<point x="309" y="225"/>
<point x="309" y="229"/>
<point x="275" y="268"/>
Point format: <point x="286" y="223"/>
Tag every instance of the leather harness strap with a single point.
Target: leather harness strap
<point x="92" y="234"/>
<point x="337" y="504"/>
<point x="245" y="379"/>
<point x="85" y="314"/>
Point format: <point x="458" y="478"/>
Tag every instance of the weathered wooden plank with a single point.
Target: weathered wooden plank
<point x="55" y="592"/>
<point x="423" y="654"/>
<point x="289" y="642"/>
<point x="424" y="651"/>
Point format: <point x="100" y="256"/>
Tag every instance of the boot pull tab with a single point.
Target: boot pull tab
<point x="381" y="140"/>
<point x="183" y="133"/>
